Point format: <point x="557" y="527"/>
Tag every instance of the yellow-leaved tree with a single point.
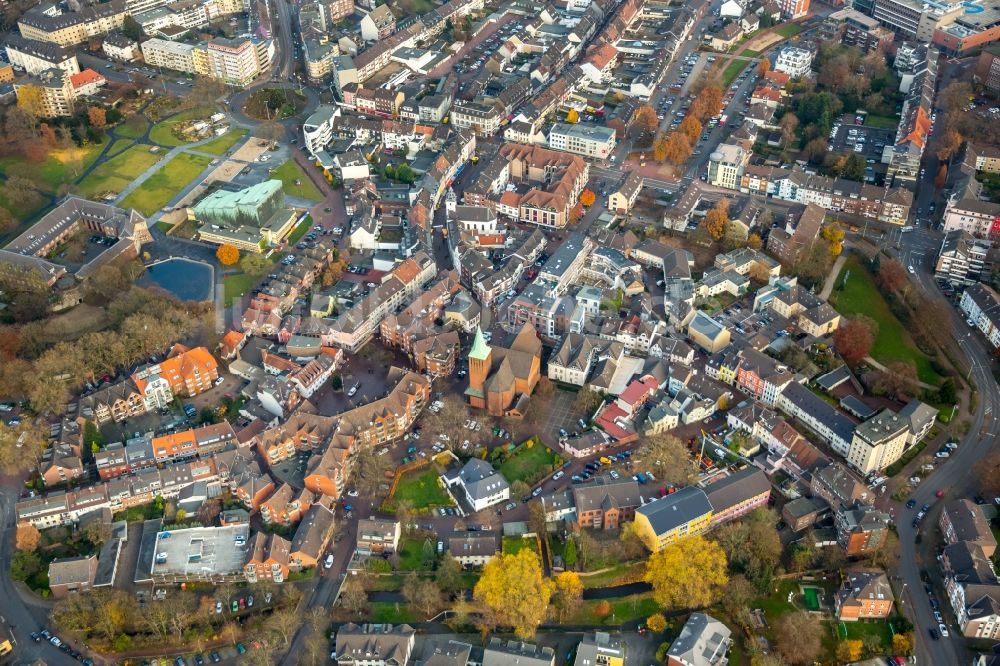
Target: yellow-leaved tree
<point x="514" y="592"/>
<point x="690" y="573"/>
<point x="567" y="591"/>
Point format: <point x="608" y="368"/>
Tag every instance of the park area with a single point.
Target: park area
<point x="222" y="144"/>
<point x="296" y="183"/>
<point x="166" y="183"/>
<point x="167" y="132"/>
<point x="114" y="175"/>
<point x="860" y="295"/>
<point x="421" y="488"/>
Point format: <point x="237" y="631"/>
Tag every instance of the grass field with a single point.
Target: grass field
<point x="422" y="489"/>
<point x="528" y="465"/>
<point x="881" y="122"/>
<point x="619" y="574"/>
<point x="732" y="71"/>
<point x="223" y="143"/>
<point x="514" y="545"/>
<point x="861" y="296"/>
<point x="119" y="146"/>
<point x="387" y="612"/>
<point x="788" y="30"/>
<point x="300" y="231"/>
<point x="58" y="167"/>
<point x="236" y="285"/>
<point x="288" y="173"/>
<point x="157" y="190"/>
<point x="623" y="609"/>
<point x="126" y="131"/>
<point x="162" y="132"/>
<point x="412" y="554"/>
<point x="115" y="174"/>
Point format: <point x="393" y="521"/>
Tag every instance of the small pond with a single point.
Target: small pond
<point x="186" y="279"/>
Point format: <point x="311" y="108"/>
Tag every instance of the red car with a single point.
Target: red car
<point x="243" y="603"/>
<point x="939" y="493"/>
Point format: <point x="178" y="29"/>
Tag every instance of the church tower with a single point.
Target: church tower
<point x="480" y="361"/>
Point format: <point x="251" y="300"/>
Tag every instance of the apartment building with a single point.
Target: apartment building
<point x="56" y="23"/>
<point x="878" y="442"/>
<point x="961" y="258"/>
<point x="606" y="503"/>
<point x="378" y="535"/>
<point x="963" y="520"/>
<point x="987" y="70"/>
<point x="267" y="559"/>
<point x="861" y="529"/>
<point x="979" y="218"/>
<point x="982" y="307"/>
<point x="865" y="595"/>
<point x="916" y="19"/>
<point x="726" y="164"/>
<point x="816" y="414"/>
<point x="185" y="372"/>
<point x="794" y="61"/>
<point x="583" y="139"/>
<point x="49" y="93"/>
<point x="483" y="119"/>
<point x="178" y="56"/>
<point x="33" y="56"/>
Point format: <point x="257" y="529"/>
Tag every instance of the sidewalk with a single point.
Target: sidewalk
<point x="831" y="277"/>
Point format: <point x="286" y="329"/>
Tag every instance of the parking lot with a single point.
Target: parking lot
<point x="869" y="142"/>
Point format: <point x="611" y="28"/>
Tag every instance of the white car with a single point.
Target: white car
<point x="352" y="493"/>
<point x="942" y="454"/>
<point x="353" y="391"/>
<point x="944" y="630"/>
<point x="219" y="380"/>
<point x="558" y="475"/>
<point x="910" y="268"/>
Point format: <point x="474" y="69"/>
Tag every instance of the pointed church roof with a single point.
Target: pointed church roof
<point x="480" y="350"/>
<point x="527" y="341"/>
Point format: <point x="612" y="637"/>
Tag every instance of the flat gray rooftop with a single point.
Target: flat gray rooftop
<point x="201" y="551"/>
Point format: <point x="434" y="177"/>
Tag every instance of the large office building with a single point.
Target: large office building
<point x="251" y="219"/>
<point x="916" y="19"/>
<point x="235" y="61"/>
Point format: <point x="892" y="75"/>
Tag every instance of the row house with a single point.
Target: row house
<point x="982" y="307"/>
<point x="267" y="558"/>
<point x="315" y="373"/>
<point x="114" y="403"/>
<point x="286" y="505"/>
<point x="190" y="443"/>
<point x="762" y="376"/>
<point x="312" y="537"/>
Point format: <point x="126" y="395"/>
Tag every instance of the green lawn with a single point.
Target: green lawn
<point x="412" y="554"/>
<point x="732" y="71"/>
<point x="788" y="30"/>
<point x="116" y="174"/>
<point x="164" y="227"/>
<point x="119" y="146"/>
<point x="290" y="172"/>
<point x="623" y="609"/>
<point x="298" y="232"/>
<point x="236" y="285"/>
<point x="20" y="212"/>
<point x="220" y="145"/>
<point x="422" y="488"/>
<point x="616" y="575"/>
<point x="387" y="612"/>
<point x="861" y="296"/>
<point x="882" y="122"/>
<point x="157" y="190"/>
<point x="162" y="132"/>
<point x="58" y="167"/>
<point x="126" y="131"/>
<point x="528" y="465"/>
<point x="514" y="544"/>
<point x="776" y="604"/>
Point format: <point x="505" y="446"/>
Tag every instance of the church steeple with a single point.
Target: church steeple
<point x="480" y="349"/>
<point x="480" y="361"/>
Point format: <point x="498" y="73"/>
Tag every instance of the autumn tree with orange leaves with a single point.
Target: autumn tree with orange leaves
<point x="227" y="255"/>
<point x="587" y="198"/>
<point x="691" y="128"/>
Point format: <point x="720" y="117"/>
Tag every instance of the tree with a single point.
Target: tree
<point x="759" y="272"/>
<point x="97" y="116"/>
<point x="899" y="380"/>
<point x="948" y="144"/>
<point x="569" y="551"/>
<point x="227" y="255"/>
<point x="567" y="591"/>
<point x="988" y="474"/>
<point x="31" y="100"/>
<point x="690" y="128"/>
<point x="353" y="596"/>
<point x="132" y="29"/>
<point x="27" y="537"/>
<point x="941" y="177"/>
<point x="676" y="149"/>
<point x="753" y="546"/>
<point x="815" y="151"/>
<point x="22" y="446"/>
<point x="587" y="198"/>
<point x="799" y="637"/>
<point x="656" y="623"/>
<point x="630" y="541"/>
<point x="891" y="275"/>
<point x="513" y="589"/>
<point x="667" y="457"/>
<point x="644" y="120"/>
<point x="763" y="67"/>
<point x="690" y="573"/>
<point x="573" y="116"/>
<point x="789" y="124"/>
<point x="850" y="650"/>
<point x="255" y="265"/>
<point x="754" y="242"/>
<point x="422" y="594"/>
<point x="739" y="593"/>
<point x="716" y="219"/>
<point x="902" y="643"/>
<point x="449" y="575"/>
<point x="853" y="167"/>
<point x="854" y="338"/>
<point x="21" y="190"/>
<point x="587" y="400"/>
<point x="368" y="471"/>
